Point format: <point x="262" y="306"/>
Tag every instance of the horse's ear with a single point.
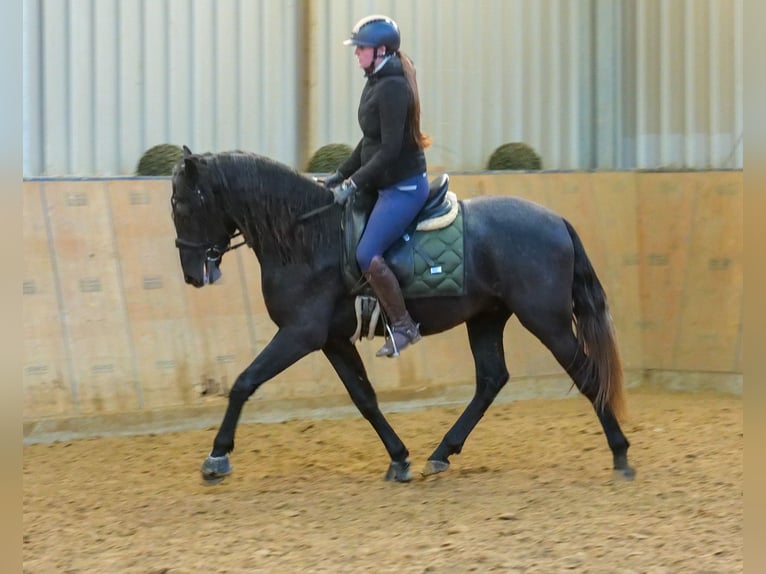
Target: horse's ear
<point x="190" y="167"/>
<point x="187" y="151"/>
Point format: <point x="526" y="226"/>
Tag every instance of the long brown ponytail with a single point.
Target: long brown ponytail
<point x="422" y="139"/>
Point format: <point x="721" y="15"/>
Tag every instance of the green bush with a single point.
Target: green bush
<point x="159" y="160"/>
<point x="328" y="158"/>
<point x="515" y="155"/>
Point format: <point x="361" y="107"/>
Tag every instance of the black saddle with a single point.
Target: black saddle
<point x="436" y="204"/>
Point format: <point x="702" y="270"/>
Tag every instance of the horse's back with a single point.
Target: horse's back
<point x="514" y="223"/>
<point x="516" y="249"/>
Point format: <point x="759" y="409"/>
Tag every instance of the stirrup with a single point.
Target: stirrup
<point x="390" y="348"/>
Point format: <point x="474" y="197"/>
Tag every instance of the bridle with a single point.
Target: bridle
<point x="212" y="251"/>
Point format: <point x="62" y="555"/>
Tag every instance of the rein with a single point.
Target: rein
<point x="318" y="210"/>
<point x="314" y="212"/>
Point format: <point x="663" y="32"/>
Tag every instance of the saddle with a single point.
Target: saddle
<point x="427" y="260"/>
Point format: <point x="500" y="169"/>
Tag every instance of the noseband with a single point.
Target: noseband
<point x="212" y="252"/>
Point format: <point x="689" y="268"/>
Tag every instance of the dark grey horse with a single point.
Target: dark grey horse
<point x="520" y="258"/>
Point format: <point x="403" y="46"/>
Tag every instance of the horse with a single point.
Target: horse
<point x="521" y="259"/>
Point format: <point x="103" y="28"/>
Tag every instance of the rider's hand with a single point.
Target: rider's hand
<point x="333" y="180"/>
<point x="344" y="191"/>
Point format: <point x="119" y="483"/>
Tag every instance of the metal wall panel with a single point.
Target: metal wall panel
<point x="106" y="142"/>
<point x="488" y="73"/>
<point x="682" y="76"/>
<point x="588" y="83"/>
<point x="107" y="79"/>
<point x="32" y="116"/>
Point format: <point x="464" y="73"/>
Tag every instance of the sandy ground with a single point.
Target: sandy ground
<point x="531" y="492"/>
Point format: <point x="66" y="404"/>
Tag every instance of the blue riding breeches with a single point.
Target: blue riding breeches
<point x="394" y="211"/>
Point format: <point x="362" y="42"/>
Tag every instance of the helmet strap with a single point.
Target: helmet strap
<point x="376" y="60"/>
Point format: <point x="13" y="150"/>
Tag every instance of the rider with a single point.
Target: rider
<point x="389" y="158"/>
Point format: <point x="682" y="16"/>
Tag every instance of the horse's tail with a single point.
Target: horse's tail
<point x="595" y="332"/>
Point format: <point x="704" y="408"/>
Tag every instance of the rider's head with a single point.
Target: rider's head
<point x="375" y="37"/>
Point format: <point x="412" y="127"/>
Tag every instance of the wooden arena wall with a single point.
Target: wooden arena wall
<point x="110" y="328"/>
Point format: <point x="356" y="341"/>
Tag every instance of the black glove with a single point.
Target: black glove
<point x="333" y="180"/>
<point x="343" y="191"/>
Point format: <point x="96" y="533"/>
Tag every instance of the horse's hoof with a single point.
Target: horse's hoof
<point x="399" y="472"/>
<point x="212" y="481"/>
<point x="215" y="469"/>
<point x="623" y="474"/>
<point x="435" y="467"/>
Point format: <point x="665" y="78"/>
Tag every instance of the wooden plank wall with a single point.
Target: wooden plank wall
<point x="690" y="239"/>
<point x="110" y="326"/>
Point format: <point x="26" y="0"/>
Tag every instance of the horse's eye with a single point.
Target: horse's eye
<point x="181" y="209"/>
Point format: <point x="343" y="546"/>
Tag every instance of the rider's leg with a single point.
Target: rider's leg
<point x="395" y="209"/>
<point x="404" y="331"/>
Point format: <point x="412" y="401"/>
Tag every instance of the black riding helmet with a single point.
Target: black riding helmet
<point x="375" y="30"/>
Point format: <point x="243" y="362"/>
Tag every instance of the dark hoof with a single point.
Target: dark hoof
<point x="435" y="467"/>
<point x="399" y="472"/>
<point x="627" y="473"/>
<point x="215" y="469"/>
<point x="622" y="470"/>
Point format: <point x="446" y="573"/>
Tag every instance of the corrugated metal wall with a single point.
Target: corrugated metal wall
<point x="682" y="83"/>
<point x="107" y="79"/>
<point x="588" y="83"/>
<point x="488" y="73"/>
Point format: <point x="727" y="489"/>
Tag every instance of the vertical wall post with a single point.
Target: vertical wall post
<point x="307" y="81"/>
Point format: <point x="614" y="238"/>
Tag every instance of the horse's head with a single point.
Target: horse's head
<point x="203" y="231"/>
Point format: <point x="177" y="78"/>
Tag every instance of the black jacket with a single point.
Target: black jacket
<point x="386" y="153"/>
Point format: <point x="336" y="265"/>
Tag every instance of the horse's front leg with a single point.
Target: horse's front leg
<point x="288" y="346"/>
<point x="346" y="361"/>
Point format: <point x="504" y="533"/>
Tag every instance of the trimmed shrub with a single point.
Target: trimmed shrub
<point x="515" y="155"/>
<point x="328" y="158"/>
<point x="159" y="160"/>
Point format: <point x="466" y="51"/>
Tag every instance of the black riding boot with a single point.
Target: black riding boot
<point x="386" y="286"/>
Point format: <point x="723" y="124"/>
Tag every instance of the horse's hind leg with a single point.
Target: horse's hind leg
<point x="485" y="333"/>
<point x="555" y="332"/>
<point x="346" y="361"/>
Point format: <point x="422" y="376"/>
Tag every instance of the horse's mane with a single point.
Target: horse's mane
<point x="265" y="198"/>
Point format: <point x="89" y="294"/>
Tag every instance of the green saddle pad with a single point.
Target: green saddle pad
<point x="430" y="263"/>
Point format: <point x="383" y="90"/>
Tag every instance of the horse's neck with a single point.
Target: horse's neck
<point x="279" y="239"/>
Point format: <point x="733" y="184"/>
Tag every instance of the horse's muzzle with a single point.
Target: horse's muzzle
<point x="193" y="281"/>
<point x="209" y="273"/>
